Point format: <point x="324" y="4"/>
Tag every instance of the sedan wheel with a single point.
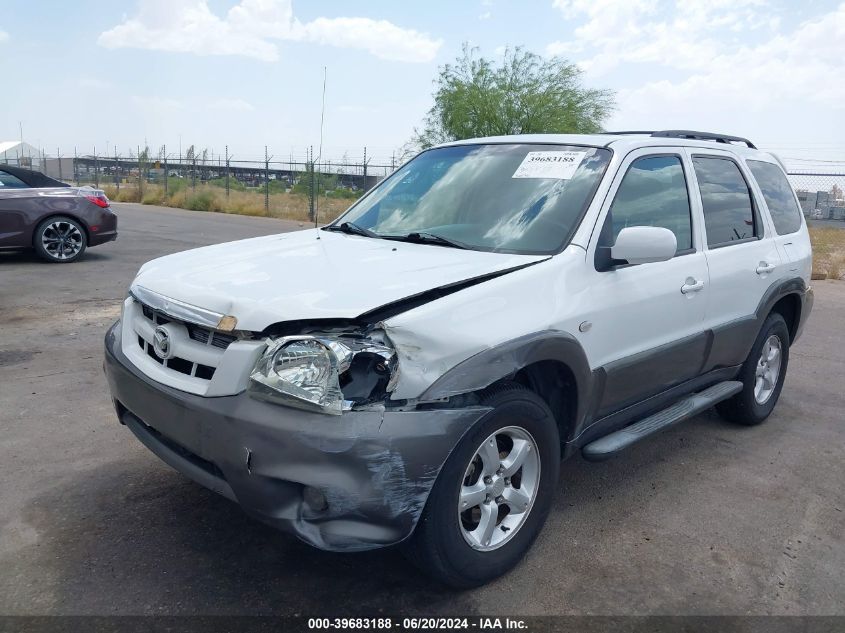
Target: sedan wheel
<point x="60" y="240"/>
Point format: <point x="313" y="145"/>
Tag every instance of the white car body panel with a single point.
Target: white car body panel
<point x="637" y="290"/>
<point x="736" y="287"/>
<point x="795" y="250"/>
<point x="312" y="274"/>
<point x="434" y="337"/>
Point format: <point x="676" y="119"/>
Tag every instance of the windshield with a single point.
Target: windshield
<point x="515" y="198"/>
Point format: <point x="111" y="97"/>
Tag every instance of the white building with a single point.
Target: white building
<point x="20" y="154"/>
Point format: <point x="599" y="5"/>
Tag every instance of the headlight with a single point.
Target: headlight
<point x="324" y="373"/>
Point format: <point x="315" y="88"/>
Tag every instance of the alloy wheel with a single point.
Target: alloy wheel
<point x="768" y="369"/>
<point x="499" y="488"/>
<point x="62" y="240"/>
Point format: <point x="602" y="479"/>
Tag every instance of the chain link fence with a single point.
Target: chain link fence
<point x="293" y="187"/>
<point x="820" y="194"/>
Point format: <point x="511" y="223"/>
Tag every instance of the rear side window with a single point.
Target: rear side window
<point x="726" y="198"/>
<point x="778" y="195"/>
<point x="654" y="193"/>
<point x="8" y="181"/>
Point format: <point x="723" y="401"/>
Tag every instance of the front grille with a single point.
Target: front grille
<point x="197" y="333"/>
<point x="202" y="335"/>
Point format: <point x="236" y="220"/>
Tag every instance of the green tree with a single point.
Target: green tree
<point x="524" y="94"/>
<point x="143" y="169"/>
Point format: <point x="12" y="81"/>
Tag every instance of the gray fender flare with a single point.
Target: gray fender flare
<point x="776" y="292"/>
<point x="486" y="367"/>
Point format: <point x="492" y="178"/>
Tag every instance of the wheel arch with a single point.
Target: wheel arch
<point x="48" y="216"/>
<point x="786" y="299"/>
<point x="789" y="307"/>
<point x="552" y="364"/>
<point x="555" y="382"/>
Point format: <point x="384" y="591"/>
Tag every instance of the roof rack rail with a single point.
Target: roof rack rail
<point x="704" y="136"/>
<point x="689" y="134"/>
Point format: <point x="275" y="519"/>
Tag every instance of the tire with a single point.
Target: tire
<point x="440" y="545"/>
<point x="758" y="398"/>
<point x="60" y="240"/>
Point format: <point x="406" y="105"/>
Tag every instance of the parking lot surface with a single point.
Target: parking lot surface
<point x="707" y="518"/>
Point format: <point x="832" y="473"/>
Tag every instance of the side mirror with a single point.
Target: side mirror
<point x="644" y="244"/>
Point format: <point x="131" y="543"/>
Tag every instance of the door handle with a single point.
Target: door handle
<point x="691" y="285"/>
<point x="765" y="267"/>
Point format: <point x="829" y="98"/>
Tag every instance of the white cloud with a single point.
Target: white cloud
<point x="797" y="68"/>
<point x="485" y="16"/>
<point x="641" y="31"/>
<point x="252" y="28"/>
<point x="379" y="37"/>
<point x="3" y="36"/>
<point x="711" y="63"/>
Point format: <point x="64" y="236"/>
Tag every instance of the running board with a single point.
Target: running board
<point x="609" y="445"/>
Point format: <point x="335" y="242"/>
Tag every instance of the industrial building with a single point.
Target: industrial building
<point x="20" y="154"/>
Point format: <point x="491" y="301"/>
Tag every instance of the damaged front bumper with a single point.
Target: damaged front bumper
<point x="352" y="482"/>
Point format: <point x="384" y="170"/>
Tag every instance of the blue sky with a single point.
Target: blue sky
<point x="249" y="72"/>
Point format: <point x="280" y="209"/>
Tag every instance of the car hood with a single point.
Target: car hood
<point x="313" y="274"/>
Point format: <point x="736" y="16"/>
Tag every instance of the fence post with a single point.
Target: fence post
<point x="166" y="171"/>
<point x="75" y="167"/>
<point x="59" y="158"/>
<point x="227" y="171"/>
<point x="96" y="170"/>
<point x="310" y="171"/>
<point x="266" y="182"/>
<point x="365" y="187"/>
<point x="318" y="176"/>
<point x="116" y="170"/>
<point x="194" y="172"/>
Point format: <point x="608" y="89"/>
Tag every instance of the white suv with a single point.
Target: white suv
<point x="415" y="372"/>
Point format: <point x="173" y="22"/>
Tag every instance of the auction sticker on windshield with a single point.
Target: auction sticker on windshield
<point x="559" y="165"/>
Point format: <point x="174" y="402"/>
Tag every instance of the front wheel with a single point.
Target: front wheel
<point x="762" y="375"/>
<point x="60" y="240"/>
<point x="493" y="494"/>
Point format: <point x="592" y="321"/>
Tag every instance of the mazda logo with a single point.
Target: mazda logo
<point x="161" y="343"/>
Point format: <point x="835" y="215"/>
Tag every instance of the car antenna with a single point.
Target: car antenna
<point x="320" y="150"/>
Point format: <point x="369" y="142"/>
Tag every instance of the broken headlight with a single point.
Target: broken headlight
<point x="325" y="373"/>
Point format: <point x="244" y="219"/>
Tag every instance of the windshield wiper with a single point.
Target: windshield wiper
<point x="421" y="237"/>
<point x="351" y="229"/>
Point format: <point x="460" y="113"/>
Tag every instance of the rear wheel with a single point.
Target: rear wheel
<point x="762" y="375"/>
<point x="493" y="494"/>
<point x="60" y="240"/>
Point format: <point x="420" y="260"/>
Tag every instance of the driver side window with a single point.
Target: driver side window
<point x="8" y="181"/>
<point x="652" y="193"/>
